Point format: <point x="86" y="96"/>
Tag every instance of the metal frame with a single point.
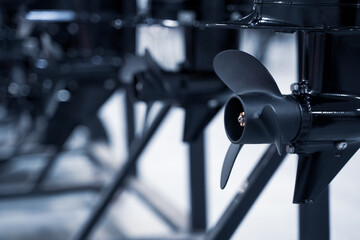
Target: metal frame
<point x="119" y="181"/>
<point x="197" y="184"/>
<point x="170" y="216"/>
<point x="314" y="219"/>
<point x="28" y="191"/>
<point x="235" y="212"/>
<point x="168" y="213"/>
<point x="130" y="120"/>
<point x="246" y="196"/>
<point x="38" y="186"/>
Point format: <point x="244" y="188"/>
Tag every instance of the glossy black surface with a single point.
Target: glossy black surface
<point x="291" y="16"/>
<point x="334" y="118"/>
<point x="199" y="9"/>
<point x="255" y="130"/>
<point x="332" y="64"/>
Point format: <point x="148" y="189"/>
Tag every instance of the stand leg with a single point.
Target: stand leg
<point x="198" y="186"/>
<point x="245" y="198"/>
<point x="120" y="177"/>
<point x="130" y="122"/>
<point x="314" y="219"/>
<point x="50" y="163"/>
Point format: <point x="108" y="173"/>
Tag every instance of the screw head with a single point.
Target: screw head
<point x="290" y="149"/>
<point x="341" y="145"/>
<point x="308" y="201"/>
<point x="294" y="87"/>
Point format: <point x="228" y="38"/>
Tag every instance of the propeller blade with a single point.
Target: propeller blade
<point x="271" y="122"/>
<point x="243" y="73"/>
<point x="228" y="164"/>
<point x="315" y="172"/>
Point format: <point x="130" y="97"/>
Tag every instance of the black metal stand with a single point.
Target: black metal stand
<point x="28" y="191"/>
<point x="176" y="220"/>
<point x="197" y="184"/>
<point x="50" y="163"/>
<point x="120" y="179"/>
<point x="39" y="188"/>
<point x="130" y="120"/>
<point x="245" y="198"/>
<point x="314" y="219"/>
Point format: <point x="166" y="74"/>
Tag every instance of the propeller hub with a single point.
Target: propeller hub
<point x="247" y="120"/>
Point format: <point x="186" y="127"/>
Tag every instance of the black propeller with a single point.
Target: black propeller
<point x="271" y="122"/>
<point x="258" y="113"/>
<point x="323" y="129"/>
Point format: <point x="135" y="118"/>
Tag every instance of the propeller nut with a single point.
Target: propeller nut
<point x="241" y="119"/>
<point x="290" y="149"/>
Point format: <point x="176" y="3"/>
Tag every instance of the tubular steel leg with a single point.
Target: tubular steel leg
<point x="130" y="121"/>
<point x="197" y="184"/>
<point x="120" y="177"/>
<point x="245" y="198"/>
<point x="314" y="219"/>
<point x="22" y="192"/>
<point x="50" y="163"/>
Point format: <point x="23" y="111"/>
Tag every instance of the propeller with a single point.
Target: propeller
<point x="229" y="161"/>
<point x="258" y="112"/>
<point x="271" y="122"/>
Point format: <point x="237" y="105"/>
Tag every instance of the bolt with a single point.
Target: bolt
<point x="118" y="23"/>
<point x="304" y="89"/>
<point x="294" y="87"/>
<point x="241" y="119"/>
<point x="341" y="145"/>
<point x="290" y="149"/>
